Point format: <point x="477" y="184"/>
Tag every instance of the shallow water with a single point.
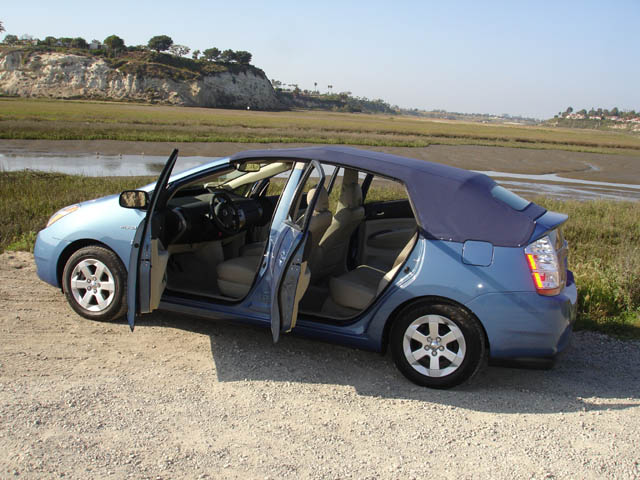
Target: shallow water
<point x="554" y="177"/>
<point x="556" y="186"/>
<point x="95" y="165"/>
<point x="98" y="165"/>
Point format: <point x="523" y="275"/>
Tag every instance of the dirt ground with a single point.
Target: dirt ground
<point x="586" y="166"/>
<point x="187" y="398"/>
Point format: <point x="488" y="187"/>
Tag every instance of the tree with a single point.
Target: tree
<point x="79" y="42"/>
<point x="10" y="39"/>
<point x="160" y="43"/>
<point x="228" y="56"/>
<point x="114" y="43"/>
<point x="569" y="110"/>
<point x="1" y="27"/>
<point x="211" y="54"/>
<point x="195" y="54"/>
<point x="179" y="50"/>
<point x="615" y="112"/>
<point x="51" y="41"/>
<point x="243" y="57"/>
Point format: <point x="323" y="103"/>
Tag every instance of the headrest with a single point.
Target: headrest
<point x="350" y="193"/>
<point x="323" y="200"/>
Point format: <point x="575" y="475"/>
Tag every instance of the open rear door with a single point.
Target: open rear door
<point x="289" y="273"/>
<point x="148" y="260"/>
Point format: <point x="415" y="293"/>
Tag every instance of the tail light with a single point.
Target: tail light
<point x="545" y="269"/>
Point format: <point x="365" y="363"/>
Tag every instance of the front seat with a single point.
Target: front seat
<point x="331" y="259"/>
<point x="235" y="276"/>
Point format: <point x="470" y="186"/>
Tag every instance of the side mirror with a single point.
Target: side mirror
<point x="134" y="199"/>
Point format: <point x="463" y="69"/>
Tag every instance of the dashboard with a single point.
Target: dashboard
<point x="200" y="215"/>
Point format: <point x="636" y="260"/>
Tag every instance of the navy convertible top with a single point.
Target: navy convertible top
<point x="451" y="203"/>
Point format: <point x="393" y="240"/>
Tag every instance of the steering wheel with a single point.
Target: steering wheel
<point x="224" y="213"/>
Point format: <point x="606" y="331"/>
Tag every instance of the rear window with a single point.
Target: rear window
<point x="507" y="196"/>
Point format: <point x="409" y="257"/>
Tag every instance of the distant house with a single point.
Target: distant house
<point x="95" y="45"/>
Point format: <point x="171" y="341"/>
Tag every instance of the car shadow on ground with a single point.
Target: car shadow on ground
<point x="593" y="374"/>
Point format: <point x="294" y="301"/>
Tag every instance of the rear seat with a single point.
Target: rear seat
<point x="355" y="290"/>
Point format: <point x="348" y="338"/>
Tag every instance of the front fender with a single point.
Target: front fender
<point x="100" y="221"/>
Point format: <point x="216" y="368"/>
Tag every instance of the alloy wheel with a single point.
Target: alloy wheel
<point x="92" y="285"/>
<point x="434" y="345"/>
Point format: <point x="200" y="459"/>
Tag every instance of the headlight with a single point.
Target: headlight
<point x="62" y="213"/>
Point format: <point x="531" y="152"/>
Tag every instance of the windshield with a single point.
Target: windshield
<point x="224" y="178"/>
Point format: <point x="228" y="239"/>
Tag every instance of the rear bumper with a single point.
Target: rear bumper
<point x="527" y="326"/>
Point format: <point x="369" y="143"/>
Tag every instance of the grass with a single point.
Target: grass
<point x="604" y="254"/>
<point x="85" y="120"/>
<point x="604" y="238"/>
<point x="28" y="199"/>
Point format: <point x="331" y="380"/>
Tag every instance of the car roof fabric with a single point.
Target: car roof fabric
<point x="451" y="203"/>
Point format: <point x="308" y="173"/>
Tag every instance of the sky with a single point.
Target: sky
<point x="529" y="58"/>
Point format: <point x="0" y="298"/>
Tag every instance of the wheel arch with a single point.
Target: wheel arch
<point x="430" y="300"/>
<point x="72" y="248"/>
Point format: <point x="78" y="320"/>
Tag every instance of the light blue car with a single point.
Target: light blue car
<point x="441" y="265"/>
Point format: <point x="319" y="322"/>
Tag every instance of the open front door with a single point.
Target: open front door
<point x="148" y="261"/>
<point x="289" y="271"/>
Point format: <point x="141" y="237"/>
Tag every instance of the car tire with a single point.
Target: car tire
<point x="437" y="345"/>
<point x="94" y="281"/>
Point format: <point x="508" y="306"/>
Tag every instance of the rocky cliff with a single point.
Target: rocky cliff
<point x="65" y="75"/>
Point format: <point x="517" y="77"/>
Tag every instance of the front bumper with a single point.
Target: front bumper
<point x="45" y="253"/>
<point x="526" y="325"/>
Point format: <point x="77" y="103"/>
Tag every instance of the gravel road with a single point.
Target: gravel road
<point x="186" y="398"/>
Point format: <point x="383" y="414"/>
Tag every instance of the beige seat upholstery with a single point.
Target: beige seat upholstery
<point x="236" y="275"/>
<point x="331" y="259"/>
<point x="320" y="221"/>
<point x="355" y="290"/>
<point x="319" y="224"/>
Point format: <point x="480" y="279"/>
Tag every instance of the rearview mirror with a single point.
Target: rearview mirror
<point x="249" y="167"/>
<point x="134" y="199"/>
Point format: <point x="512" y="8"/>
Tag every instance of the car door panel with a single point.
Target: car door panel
<point x="289" y="273"/>
<point x="158" y="274"/>
<point x="148" y="260"/>
<point x="382" y="240"/>
<point x="290" y="270"/>
<point x="388" y="209"/>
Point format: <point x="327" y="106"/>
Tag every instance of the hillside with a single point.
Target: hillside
<point x="600" y="119"/>
<point x="137" y="76"/>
